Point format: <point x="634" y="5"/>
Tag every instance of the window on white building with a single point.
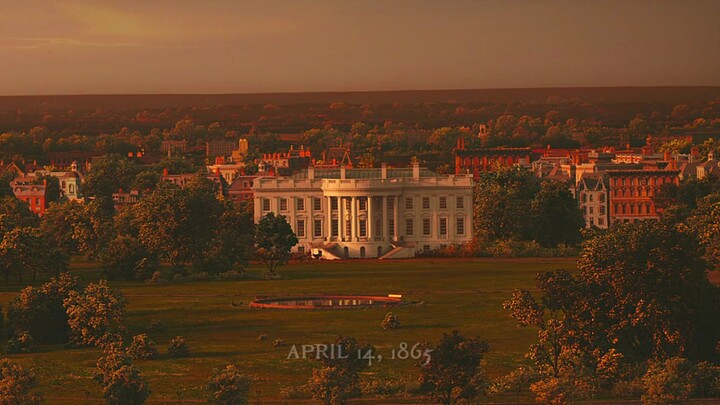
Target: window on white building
<point x="334" y="203"/>
<point x="443" y="226"/>
<point x="283" y="204"/>
<point x="317" y="204"/>
<point x="391" y="203"/>
<point x="460" y="226"/>
<point x="363" y="228"/>
<point x="300" y="204"/>
<point x="460" y="203"/>
<point x="317" y="228"/>
<point x="408" y="203"/>
<point x="426" y="226"/>
<point x="391" y="227"/>
<point x="363" y="204"/>
<point x="409" y="227"/>
<point x="426" y="203"/>
<point x="300" y="228"/>
<point x="426" y="248"/>
<point x="443" y="203"/>
<point x="335" y="231"/>
<point x="266" y="204"/>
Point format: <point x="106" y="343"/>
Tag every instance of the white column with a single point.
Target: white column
<point x="328" y="207"/>
<point x="370" y="220"/>
<point x="341" y="218"/>
<point x="384" y="229"/>
<point x="353" y="219"/>
<point x="396" y="218"/>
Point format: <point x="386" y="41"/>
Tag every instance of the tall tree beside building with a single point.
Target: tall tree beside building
<point x="106" y="176"/>
<point x="502" y="202"/>
<point x="555" y="215"/>
<point x="273" y="239"/>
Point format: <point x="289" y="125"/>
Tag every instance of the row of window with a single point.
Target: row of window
<point x="317" y="203"/>
<point x="639" y="208"/>
<point x="590" y="197"/>
<point x="591" y="210"/>
<point x="362" y="227"/>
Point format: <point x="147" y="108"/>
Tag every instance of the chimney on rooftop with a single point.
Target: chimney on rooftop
<point x="416" y="170"/>
<point x="383" y="171"/>
<point x="311" y="172"/>
<point x="342" y="172"/>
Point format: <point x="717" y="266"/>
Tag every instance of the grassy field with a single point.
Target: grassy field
<point x="455" y="294"/>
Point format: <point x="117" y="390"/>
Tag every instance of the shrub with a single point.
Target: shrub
<point x="142" y="348"/>
<point x="391" y="321"/>
<point x="156" y="326"/>
<point x="231" y="275"/>
<point x="157" y="279"/>
<point x="669" y="382"/>
<point x="707" y="380"/>
<point x="178" y="347"/>
<point x="40" y="311"/>
<point x="120" y="381"/>
<point x="228" y="387"/>
<point x="96" y="316"/>
<point x="295" y="392"/>
<point x="20" y="343"/>
<point x="16" y="383"/>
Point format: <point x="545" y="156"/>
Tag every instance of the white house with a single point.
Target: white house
<point x="369" y="213"/>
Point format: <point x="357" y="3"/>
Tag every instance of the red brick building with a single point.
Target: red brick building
<point x="28" y="189"/>
<point x="478" y="160"/>
<point x="632" y="191"/>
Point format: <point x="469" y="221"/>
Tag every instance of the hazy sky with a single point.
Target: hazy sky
<point x="229" y="46"/>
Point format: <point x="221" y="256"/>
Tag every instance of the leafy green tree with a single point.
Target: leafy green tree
<point x="15" y="213"/>
<point x="555" y="215"/>
<point x="178" y="347"/>
<point x="668" y="382"/>
<point x="232" y="245"/>
<point x="453" y="371"/>
<point x="126" y="258"/>
<point x="40" y="311"/>
<point x="121" y="382"/>
<point x="228" y="387"/>
<point x="502" y="201"/>
<point x="95" y="316"/>
<point x="648" y="294"/>
<point x="179" y="224"/>
<point x="142" y="348"/>
<point x="274" y="238"/>
<point x="106" y="176"/>
<point x="338" y="377"/>
<point x="16" y="384"/>
<point x="23" y="251"/>
<point x="705" y="224"/>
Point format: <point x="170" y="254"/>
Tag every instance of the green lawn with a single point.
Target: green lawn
<point x="455" y="294"/>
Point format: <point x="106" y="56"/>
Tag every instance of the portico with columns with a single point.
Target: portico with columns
<point x="369" y="213"/>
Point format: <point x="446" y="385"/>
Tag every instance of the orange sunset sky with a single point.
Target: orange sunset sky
<point x="218" y="46"/>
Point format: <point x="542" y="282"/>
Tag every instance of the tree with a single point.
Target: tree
<point x="338" y="377"/>
<point x="126" y="258"/>
<point x="555" y="215"/>
<point x="16" y="384"/>
<point x="232" y="243"/>
<point x="453" y="371"/>
<point x="107" y="175"/>
<point x="228" y="387"/>
<point x="178" y="347"/>
<point x="668" y="382"/>
<point x="179" y="224"/>
<point x="142" y="348"/>
<point x="96" y="315"/>
<point x="23" y="251"/>
<point x="705" y="224"/>
<point x="15" y="213"/>
<point x="647" y="293"/>
<point x="274" y="238"/>
<point x="40" y="311"/>
<point x="502" y="200"/>
<point x="120" y="381"/>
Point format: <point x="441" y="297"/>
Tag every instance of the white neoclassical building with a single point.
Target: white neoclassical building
<point x="369" y="213"/>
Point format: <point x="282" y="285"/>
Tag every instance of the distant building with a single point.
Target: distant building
<point x="369" y="213"/>
<point x="241" y="189"/>
<point x="31" y="191"/>
<point x="631" y="193"/>
<point x="478" y="160"/>
<point x="286" y="163"/>
<point x="125" y="199"/>
<point x="172" y="148"/>
<point x="219" y="148"/>
<point x="227" y="169"/>
<point x="592" y="194"/>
